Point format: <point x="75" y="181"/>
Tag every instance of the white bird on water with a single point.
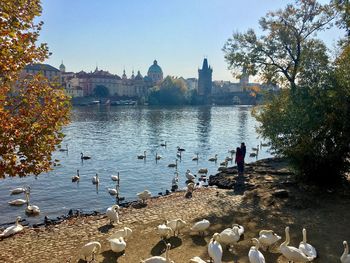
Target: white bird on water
<point x="31" y="209"/>
<point x="95" y="179"/>
<point x="18" y="190"/>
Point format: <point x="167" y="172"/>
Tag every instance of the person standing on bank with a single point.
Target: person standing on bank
<point x="239" y="160"/>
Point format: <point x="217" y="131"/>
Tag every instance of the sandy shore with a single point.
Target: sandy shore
<point x="256" y="209"/>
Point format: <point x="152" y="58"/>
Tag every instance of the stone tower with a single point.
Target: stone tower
<point x="205" y="79"/>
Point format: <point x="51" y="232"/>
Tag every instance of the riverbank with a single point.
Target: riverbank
<point x="267" y="197"/>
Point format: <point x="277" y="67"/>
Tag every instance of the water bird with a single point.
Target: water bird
<point x="253" y="155"/>
<point x="345" y="257"/>
<point x="164" y="231"/>
<point x="112" y="191"/>
<point x="176" y="225"/>
<point x="11" y="230"/>
<point x="171" y="165"/>
<point x="224" y="163"/>
<point x="306" y="248"/>
<point x="232" y="152"/>
<point x="112" y="214"/>
<point x="18" y="190"/>
<point x="64" y="149"/>
<point x="179" y="155"/>
<point x="89" y="251"/>
<point x="230" y="236"/>
<point x="228" y="158"/>
<point x="213" y="159"/>
<point x="76" y="178"/>
<point x="179" y="149"/>
<point x="142" y="156"/>
<point x="31" y="209"/>
<point x="189" y="175"/>
<point x="293" y="253"/>
<point x="163" y="144"/>
<point x="117" y="244"/>
<point x="115" y="177"/>
<point x="197" y="260"/>
<point x="159" y="259"/>
<point x="201" y="226"/>
<point x="255" y="148"/>
<point x="158" y="157"/>
<point x="267" y="238"/>
<point x="255" y="256"/>
<point x="215" y="249"/>
<point x="143" y="196"/>
<point x="203" y="171"/>
<point x="95" y="179"/>
<point x="195" y="158"/>
<point x="84" y="157"/>
<point x="125" y="233"/>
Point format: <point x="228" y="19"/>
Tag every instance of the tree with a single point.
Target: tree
<point x="343" y="7"/>
<point x="32" y="110"/>
<point x="101" y="91"/>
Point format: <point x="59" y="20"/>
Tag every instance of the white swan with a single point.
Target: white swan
<point x="224" y="163"/>
<point x="159" y="259"/>
<point x="228" y="158"/>
<point x="253" y="155"/>
<point x="64" y="149"/>
<point x="143" y="196"/>
<point x="203" y="171"/>
<point x="84" y="157"/>
<point x="173" y="164"/>
<point x="31" y="209"/>
<point x="142" y="156"/>
<point x="189" y="175"/>
<point x="230" y="236"/>
<point x="18" y="190"/>
<point x="306" y="248"/>
<point x="17" y="202"/>
<point x="255" y="256"/>
<point x="76" y="178"/>
<point x="213" y="159"/>
<point x="95" y="179"/>
<point x="164" y="231"/>
<point x="195" y="158"/>
<point x="232" y="152"/>
<point x="179" y="149"/>
<point x="112" y="191"/>
<point x="125" y="233"/>
<point x="89" y="251"/>
<point x="117" y="244"/>
<point x="215" y="249"/>
<point x="115" y="177"/>
<point x="163" y="144"/>
<point x="201" y="226"/>
<point x="345" y="257"/>
<point x="112" y="214"/>
<point x="293" y="253"/>
<point x="176" y="225"/>
<point x="197" y="260"/>
<point x="158" y="157"/>
<point x="268" y="238"/>
<point x="179" y="155"/>
<point x="11" y="230"/>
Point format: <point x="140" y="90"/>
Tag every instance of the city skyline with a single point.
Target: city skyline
<point x="130" y="35"/>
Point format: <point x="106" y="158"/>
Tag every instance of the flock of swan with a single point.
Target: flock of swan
<point x="30" y="209"/>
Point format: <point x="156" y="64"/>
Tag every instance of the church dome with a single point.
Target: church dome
<point x="155" y="68"/>
<point x="62" y="67"/>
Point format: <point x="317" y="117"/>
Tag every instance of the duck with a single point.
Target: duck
<point x="12" y="230"/>
<point x="76" y="178"/>
<point x="64" y="149"/>
<point x="84" y="157"/>
<point x="203" y="171"/>
<point x="142" y="156"/>
<point x="125" y="233"/>
<point x="189" y="175"/>
<point x="115" y="177"/>
<point x="215" y="249"/>
<point x="293" y="253"/>
<point x="195" y="158"/>
<point x="306" y="248"/>
<point x="201" y="226"/>
<point x="143" y="196"/>
<point x="197" y="260"/>
<point x="31" y="209"/>
<point x="267" y="238"/>
<point x="95" y="179"/>
<point x="179" y="149"/>
<point x="255" y="256"/>
<point x="159" y="259"/>
<point x="112" y="191"/>
<point x="176" y="225"/>
<point x="345" y="257"/>
<point x="164" y="231"/>
<point x="117" y="244"/>
<point x="173" y="164"/>
<point x="89" y="251"/>
<point x="18" y="190"/>
<point x="158" y="157"/>
<point x="213" y="159"/>
<point x="112" y="214"/>
<point x="163" y="144"/>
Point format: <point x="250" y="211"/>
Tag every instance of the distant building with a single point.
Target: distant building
<point x="155" y="72"/>
<point x="205" y="79"/>
<point x="50" y="72"/>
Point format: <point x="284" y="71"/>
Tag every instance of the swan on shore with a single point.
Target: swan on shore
<point x="143" y="196"/>
<point x="117" y="244"/>
<point x="125" y="233"/>
<point x="293" y="253"/>
<point x="84" y="157"/>
<point x="112" y="214"/>
<point x="201" y="226"/>
<point x="89" y="251"/>
<point x="215" y="249"/>
<point x="345" y="257"/>
<point x="213" y="159"/>
<point x="159" y="259"/>
<point x="164" y="231"/>
<point x="306" y="248"/>
<point x="267" y="238"/>
<point x="142" y="156"/>
<point x="255" y="256"/>
<point x="18" y="190"/>
<point x="176" y="225"/>
<point x="95" y="179"/>
<point x="76" y="178"/>
<point x="197" y="260"/>
<point x="173" y="164"/>
<point x="203" y="171"/>
<point x="11" y="230"/>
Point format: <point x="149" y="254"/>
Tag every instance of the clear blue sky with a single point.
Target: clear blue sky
<point x="130" y="34"/>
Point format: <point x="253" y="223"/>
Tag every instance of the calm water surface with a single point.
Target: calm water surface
<point x="113" y="137"/>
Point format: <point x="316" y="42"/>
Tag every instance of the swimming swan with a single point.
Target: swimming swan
<point x="95" y="179"/>
<point x="112" y="214"/>
<point x="158" y="157"/>
<point x="115" y="177"/>
<point x="84" y="157"/>
<point x="306" y="248"/>
<point x="159" y="259"/>
<point x="117" y="244"/>
<point x="255" y="256"/>
<point x="142" y="156"/>
<point x="11" y="230"/>
<point x="76" y="178"/>
<point x="195" y="158"/>
<point x="203" y="171"/>
<point x="143" y="196"/>
<point x="17" y="202"/>
<point x="18" y="190"/>
<point x="293" y="253"/>
<point x="268" y="238"/>
<point x="31" y="209"/>
<point x="189" y="175"/>
<point x="213" y="159"/>
<point x="89" y="251"/>
<point x="173" y="164"/>
<point x="215" y="249"/>
<point x="201" y="226"/>
<point x="345" y="257"/>
<point x="112" y="191"/>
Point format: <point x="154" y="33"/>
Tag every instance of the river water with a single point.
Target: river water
<point x="113" y="137"/>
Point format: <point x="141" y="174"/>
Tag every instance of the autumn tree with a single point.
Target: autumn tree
<point x="32" y="109"/>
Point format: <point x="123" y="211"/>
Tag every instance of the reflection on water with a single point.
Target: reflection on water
<point x="113" y="137"/>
